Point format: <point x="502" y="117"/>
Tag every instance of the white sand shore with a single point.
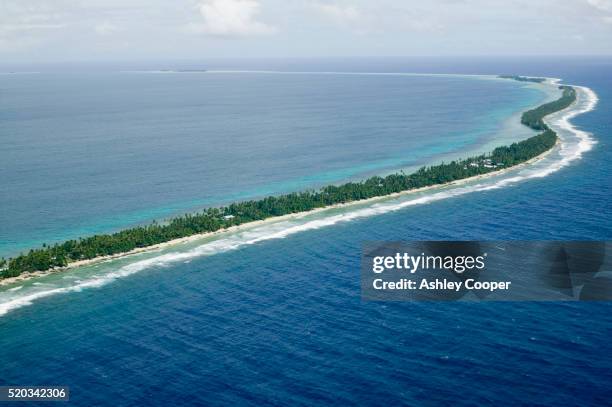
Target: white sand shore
<point x="35" y="274"/>
<point x="585" y="144"/>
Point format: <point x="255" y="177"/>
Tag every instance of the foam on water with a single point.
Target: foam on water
<point x="573" y="143"/>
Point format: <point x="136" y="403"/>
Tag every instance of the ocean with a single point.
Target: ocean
<point x="273" y="315"/>
<point x="95" y="152"/>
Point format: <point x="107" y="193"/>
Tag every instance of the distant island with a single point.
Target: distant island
<point x="182" y="70"/>
<point x="523" y="78"/>
<point x="57" y="256"/>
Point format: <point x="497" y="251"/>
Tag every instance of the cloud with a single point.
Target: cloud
<point x="339" y="13"/>
<point x="57" y="30"/>
<point x="375" y="18"/>
<point x="29" y="16"/>
<point x="25" y="27"/>
<point x="603" y="5"/>
<point x="106" y="28"/>
<point x="26" y="24"/>
<point x="230" y="18"/>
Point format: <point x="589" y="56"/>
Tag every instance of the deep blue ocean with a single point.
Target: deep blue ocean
<point x="281" y="321"/>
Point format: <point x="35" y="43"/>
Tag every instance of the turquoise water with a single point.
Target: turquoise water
<point x="280" y="321"/>
<point x="86" y="153"/>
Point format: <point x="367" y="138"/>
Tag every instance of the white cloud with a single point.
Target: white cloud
<point x="40" y="30"/>
<point x="25" y="24"/>
<point x="29" y="16"/>
<point x="339" y="13"/>
<point x="379" y="19"/>
<point x="106" y="28"/>
<point x="603" y="5"/>
<point x="25" y="27"/>
<point x="230" y="18"/>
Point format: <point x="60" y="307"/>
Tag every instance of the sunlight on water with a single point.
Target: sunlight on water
<point x="573" y="143"/>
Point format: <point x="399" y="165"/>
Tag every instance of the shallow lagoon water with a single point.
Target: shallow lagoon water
<point x="281" y="320"/>
<point x="86" y="153"/>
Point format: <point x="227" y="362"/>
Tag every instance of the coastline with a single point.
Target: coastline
<point x="160" y="246"/>
<point x="590" y="96"/>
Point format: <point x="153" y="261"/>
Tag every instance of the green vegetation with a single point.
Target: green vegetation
<point x="534" y="118"/>
<point x="522" y="78"/>
<point x="214" y="219"/>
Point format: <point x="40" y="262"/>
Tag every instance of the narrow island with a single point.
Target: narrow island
<point x="523" y="78"/>
<point x="61" y="255"/>
<point x="183" y="70"/>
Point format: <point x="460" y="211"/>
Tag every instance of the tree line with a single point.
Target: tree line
<point x="523" y="78"/>
<point x="213" y="219"/>
<point x="534" y="118"/>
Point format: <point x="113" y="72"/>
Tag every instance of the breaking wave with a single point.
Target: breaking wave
<point x="573" y="143"/>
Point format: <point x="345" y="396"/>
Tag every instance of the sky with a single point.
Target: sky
<point x="50" y="31"/>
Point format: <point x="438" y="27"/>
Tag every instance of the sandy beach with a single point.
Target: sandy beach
<point x="590" y="96"/>
<point x="30" y="275"/>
